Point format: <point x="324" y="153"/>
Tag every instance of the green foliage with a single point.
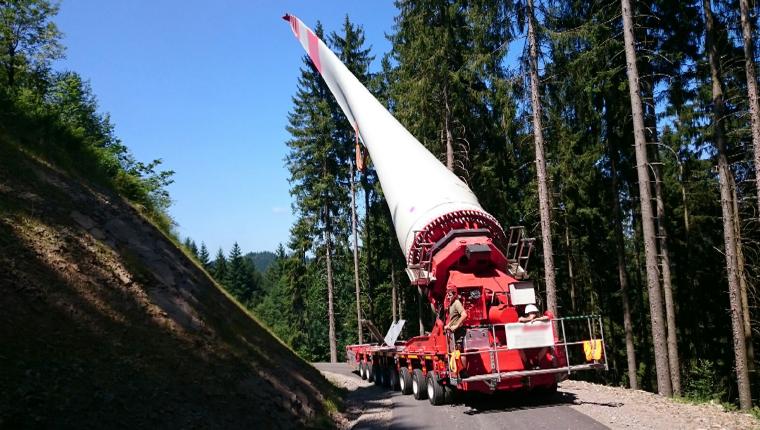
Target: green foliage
<point x="241" y="278"/>
<point x="261" y="260"/>
<point x="755" y="412"/>
<point x="203" y="256"/>
<point x="219" y="270"/>
<point x="29" y="40"/>
<point x="57" y="113"/>
<point x="704" y="382"/>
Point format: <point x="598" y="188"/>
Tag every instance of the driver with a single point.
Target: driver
<point x="457" y="315"/>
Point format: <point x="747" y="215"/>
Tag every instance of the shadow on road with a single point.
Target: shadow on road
<point x="519" y="400"/>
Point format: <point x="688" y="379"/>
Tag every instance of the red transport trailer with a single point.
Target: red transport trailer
<point x="451" y="244"/>
<point x="497" y="353"/>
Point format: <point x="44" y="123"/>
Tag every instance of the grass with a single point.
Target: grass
<point x="727" y="406"/>
<point x="755" y="412"/>
<point x="128" y="367"/>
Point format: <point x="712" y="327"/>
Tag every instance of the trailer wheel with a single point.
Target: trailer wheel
<point x="405" y="381"/>
<point x="380" y="376"/>
<point x="450" y="394"/>
<point x="393" y="379"/>
<point x="435" y="391"/>
<point x="386" y="372"/>
<point x="418" y="385"/>
<point x="547" y="392"/>
<point x="362" y="373"/>
<point x="370" y="369"/>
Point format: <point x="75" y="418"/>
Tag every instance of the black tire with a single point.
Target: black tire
<point x="546" y="393"/>
<point x="370" y="372"/>
<point x="379" y="376"/>
<point x="393" y="379"/>
<point x="386" y="371"/>
<point x="419" y="385"/>
<point x="435" y="391"/>
<point x="363" y="370"/>
<point x="405" y="381"/>
<point x="450" y="394"/>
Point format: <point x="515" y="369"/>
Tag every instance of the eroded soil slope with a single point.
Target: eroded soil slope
<point x="105" y="323"/>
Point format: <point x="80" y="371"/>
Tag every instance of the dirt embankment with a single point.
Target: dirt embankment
<point x="105" y="323"/>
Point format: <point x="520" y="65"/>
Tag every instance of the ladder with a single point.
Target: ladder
<point x="519" y="249"/>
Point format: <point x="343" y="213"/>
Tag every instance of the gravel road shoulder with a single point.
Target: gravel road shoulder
<point x="620" y="408"/>
<point x="367" y="406"/>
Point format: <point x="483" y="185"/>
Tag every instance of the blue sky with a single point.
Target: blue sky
<point x="206" y="86"/>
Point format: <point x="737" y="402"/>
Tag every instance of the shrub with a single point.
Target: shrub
<point x="703" y="382"/>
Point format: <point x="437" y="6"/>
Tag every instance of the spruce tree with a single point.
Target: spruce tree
<point x="318" y="167"/>
<point x="203" y="256"/>
<point x="220" y="267"/>
<point x="349" y="47"/>
<point x="726" y="181"/>
<point x="659" y="334"/>
<point x="237" y="279"/>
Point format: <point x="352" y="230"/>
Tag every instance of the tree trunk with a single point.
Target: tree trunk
<point x="401" y="304"/>
<point x="646" y="346"/>
<point x="544" y="198"/>
<point x="664" y="386"/>
<point x="754" y="104"/>
<point x="570" y="274"/>
<point x="330" y="311"/>
<point x="394" y="296"/>
<point x="356" y="258"/>
<point x="684" y="203"/>
<point x="667" y="284"/>
<point x="742" y="275"/>
<point x="630" y="351"/>
<point x="729" y="217"/>
<point x="11" y="67"/>
<point x="368" y="255"/>
<point x="447" y="130"/>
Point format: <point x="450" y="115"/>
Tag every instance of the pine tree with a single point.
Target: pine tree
<point x="318" y="167"/>
<point x="664" y="386"/>
<point x="203" y="256"/>
<point x="441" y="76"/>
<point x="349" y="47"/>
<point x="752" y="91"/>
<point x="729" y="216"/>
<point x="220" y="267"/>
<point x="544" y="196"/>
<point x="236" y="281"/>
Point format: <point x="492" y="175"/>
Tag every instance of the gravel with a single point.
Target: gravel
<point x="367" y="406"/>
<point x="621" y="408"/>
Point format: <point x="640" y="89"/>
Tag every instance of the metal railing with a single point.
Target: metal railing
<point x="595" y="333"/>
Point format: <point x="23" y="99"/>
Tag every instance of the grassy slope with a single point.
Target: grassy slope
<point x="105" y="323"/>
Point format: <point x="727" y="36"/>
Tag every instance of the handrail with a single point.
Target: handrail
<point x="494" y="348"/>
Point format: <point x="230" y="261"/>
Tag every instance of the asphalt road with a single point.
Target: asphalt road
<point x="513" y="411"/>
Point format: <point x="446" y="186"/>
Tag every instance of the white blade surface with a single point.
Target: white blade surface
<point x="419" y="189"/>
